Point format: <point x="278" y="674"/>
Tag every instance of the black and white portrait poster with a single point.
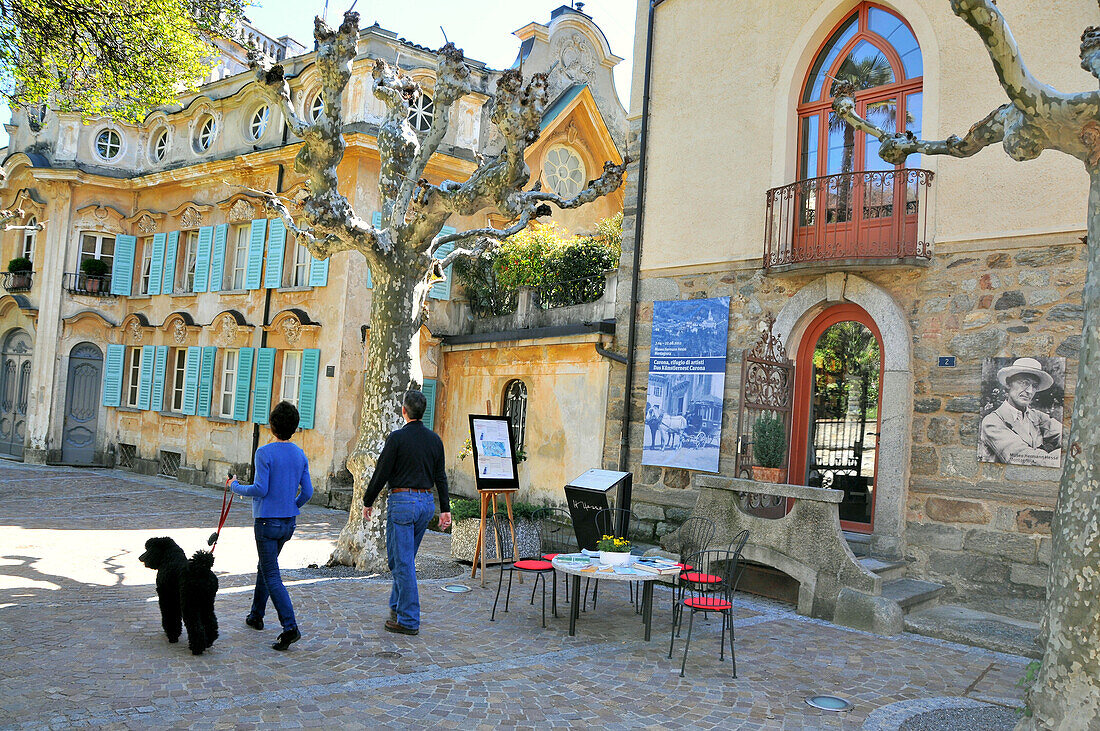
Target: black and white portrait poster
<point x="687" y="378"/>
<point x="1021" y="411"/>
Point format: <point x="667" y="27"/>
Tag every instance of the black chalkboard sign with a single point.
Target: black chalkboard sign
<point x="588" y="495"/>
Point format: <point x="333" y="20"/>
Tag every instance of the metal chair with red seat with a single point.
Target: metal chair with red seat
<point x="556" y="536"/>
<point x="536" y="565"/>
<point x="693" y="536"/>
<point x="710" y="587"/>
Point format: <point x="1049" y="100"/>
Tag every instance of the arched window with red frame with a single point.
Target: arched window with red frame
<point x="877" y="51"/>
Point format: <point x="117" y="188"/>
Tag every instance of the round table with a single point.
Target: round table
<point x="576" y="569"/>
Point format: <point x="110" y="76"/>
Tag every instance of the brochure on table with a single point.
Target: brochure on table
<point x="494" y="457"/>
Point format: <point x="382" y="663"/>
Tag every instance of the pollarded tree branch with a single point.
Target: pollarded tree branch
<point x="606" y="184"/>
<point x="895" y="147"/>
<point x="489" y="236"/>
<point x="277" y="90"/>
<point x="327" y="245"/>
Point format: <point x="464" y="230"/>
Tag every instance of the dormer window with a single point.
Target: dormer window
<point x="421" y="113"/>
<point x="207" y="130"/>
<point x="160" y="146"/>
<point x="108" y="144"/>
<point x="258" y="126"/>
<point x="316" y="107"/>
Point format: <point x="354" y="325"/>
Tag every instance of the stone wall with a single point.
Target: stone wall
<point x="982" y="529"/>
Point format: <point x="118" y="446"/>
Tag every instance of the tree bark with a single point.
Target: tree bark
<point x="1066" y="693"/>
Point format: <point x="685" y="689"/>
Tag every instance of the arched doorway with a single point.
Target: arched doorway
<point x="837" y="406"/>
<point x="82" y="404"/>
<point x="15" y="377"/>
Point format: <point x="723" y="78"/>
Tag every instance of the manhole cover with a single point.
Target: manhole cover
<point x="456" y="588"/>
<point x="388" y="655"/>
<point x="829" y="703"/>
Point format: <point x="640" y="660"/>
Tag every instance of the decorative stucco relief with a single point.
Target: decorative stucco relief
<point x="242" y="210"/>
<point x="191" y="218"/>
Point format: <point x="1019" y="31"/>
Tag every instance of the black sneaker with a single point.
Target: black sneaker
<point x="392" y="626"/>
<point x="254" y="622"/>
<point x="286" y="639"/>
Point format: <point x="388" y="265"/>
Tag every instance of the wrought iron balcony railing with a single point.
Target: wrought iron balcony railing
<point x="869" y="217"/>
<point x="81" y="283"/>
<point x="17" y="281"/>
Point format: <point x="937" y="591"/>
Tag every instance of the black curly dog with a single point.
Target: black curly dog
<point x="186" y="589"/>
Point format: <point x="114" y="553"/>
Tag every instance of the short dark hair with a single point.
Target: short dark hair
<point x="284" y="420"/>
<point x="414" y="403"/>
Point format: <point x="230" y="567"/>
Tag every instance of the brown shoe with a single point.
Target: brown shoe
<point x="392" y="626"/>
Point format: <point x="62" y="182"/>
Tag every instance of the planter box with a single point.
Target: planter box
<point x="464" y="540"/>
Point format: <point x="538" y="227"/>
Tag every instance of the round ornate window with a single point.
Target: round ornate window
<point x="108" y="144"/>
<point x="160" y="146"/>
<point x="564" y="171"/>
<point x="258" y="125"/>
<point x="316" y="106"/>
<point x="207" y="130"/>
<point x="421" y="112"/>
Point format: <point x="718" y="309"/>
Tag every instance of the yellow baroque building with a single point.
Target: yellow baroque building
<point x="938" y="275"/>
<point x="199" y="311"/>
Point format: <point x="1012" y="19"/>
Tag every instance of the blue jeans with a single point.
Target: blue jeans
<point x="271" y="534"/>
<point x="406" y="520"/>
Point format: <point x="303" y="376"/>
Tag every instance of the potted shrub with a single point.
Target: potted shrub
<point x="466" y="519"/>
<point x="769" y="449"/>
<point x="20" y="269"/>
<point x="94" y="272"/>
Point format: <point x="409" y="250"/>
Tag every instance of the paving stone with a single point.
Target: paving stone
<point x="83" y="643"/>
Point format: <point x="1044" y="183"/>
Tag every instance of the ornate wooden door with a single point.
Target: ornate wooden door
<point x="82" y="404"/>
<point x="15" y="376"/>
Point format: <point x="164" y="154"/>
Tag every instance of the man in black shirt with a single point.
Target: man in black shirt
<point x="411" y="462"/>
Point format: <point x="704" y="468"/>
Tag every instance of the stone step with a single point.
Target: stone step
<point x="912" y="594"/>
<point x="976" y="628"/>
<point x="888" y="570"/>
<point x="860" y="543"/>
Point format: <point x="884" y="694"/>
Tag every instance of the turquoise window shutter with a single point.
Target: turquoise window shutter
<point x="318" y="272"/>
<point x="122" y="273"/>
<point x="307" y="387"/>
<point x="159" y="365"/>
<point x="145" y="377"/>
<point x="171" y="248"/>
<point x="265" y="371"/>
<point x="429" y="410"/>
<point x="244" y="383"/>
<point x="202" y="258"/>
<point x="376" y="220"/>
<point x="112" y="375"/>
<point x="206" y="379"/>
<point x="191" y="379"/>
<point x="442" y="290"/>
<point x="254" y="270"/>
<point x="217" y="257"/>
<point x="276" y="245"/>
<point x="156" y="266"/>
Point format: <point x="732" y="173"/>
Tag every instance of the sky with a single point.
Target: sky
<point x="482" y="28"/>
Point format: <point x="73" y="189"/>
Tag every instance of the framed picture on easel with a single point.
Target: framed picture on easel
<point x="494" y="456"/>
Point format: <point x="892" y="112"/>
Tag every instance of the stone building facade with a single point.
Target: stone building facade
<point x="785" y="217"/>
<point x="210" y="311"/>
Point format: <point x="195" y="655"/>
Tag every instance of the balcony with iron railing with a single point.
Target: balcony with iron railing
<point x="87" y="284"/>
<point x="17" y="281"/>
<point x="855" y="220"/>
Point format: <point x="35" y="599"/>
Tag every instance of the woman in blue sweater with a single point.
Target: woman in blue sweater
<point x="281" y="469"/>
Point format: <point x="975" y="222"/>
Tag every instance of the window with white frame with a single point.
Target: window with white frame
<point x="564" y="171"/>
<point x="239" y="263"/>
<point x="187" y="261"/>
<point x="258" y="125"/>
<point x="160" y="147"/>
<point x="316" y="107"/>
<point x="300" y="274"/>
<point x="146" y="263"/>
<point x="108" y="144"/>
<point x="421" y="112"/>
<point x="97" y="246"/>
<point x="133" y="374"/>
<point x="177" y="362"/>
<point x="292" y="375"/>
<point x="29" y="237"/>
<point x="229" y="382"/>
<point x="207" y="130"/>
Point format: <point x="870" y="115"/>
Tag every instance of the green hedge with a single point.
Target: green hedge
<point x="463" y="509"/>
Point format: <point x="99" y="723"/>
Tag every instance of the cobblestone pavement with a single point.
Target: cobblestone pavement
<point x="82" y="645"/>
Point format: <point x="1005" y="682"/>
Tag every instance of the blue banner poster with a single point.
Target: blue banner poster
<point x="687" y="377"/>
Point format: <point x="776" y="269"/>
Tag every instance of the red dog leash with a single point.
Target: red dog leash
<point x="227" y="503"/>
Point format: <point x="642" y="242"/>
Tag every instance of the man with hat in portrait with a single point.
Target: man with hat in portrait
<point x="1015" y="433"/>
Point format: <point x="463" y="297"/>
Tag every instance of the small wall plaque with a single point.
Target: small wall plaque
<point x="947" y="361"/>
<point x="330" y="371"/>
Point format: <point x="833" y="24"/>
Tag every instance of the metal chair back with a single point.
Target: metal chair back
<point x="614" y="522"/>
<point x="695" y="535"/>
<point x="555" y="531"/>
<point x="498" y="525"/>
